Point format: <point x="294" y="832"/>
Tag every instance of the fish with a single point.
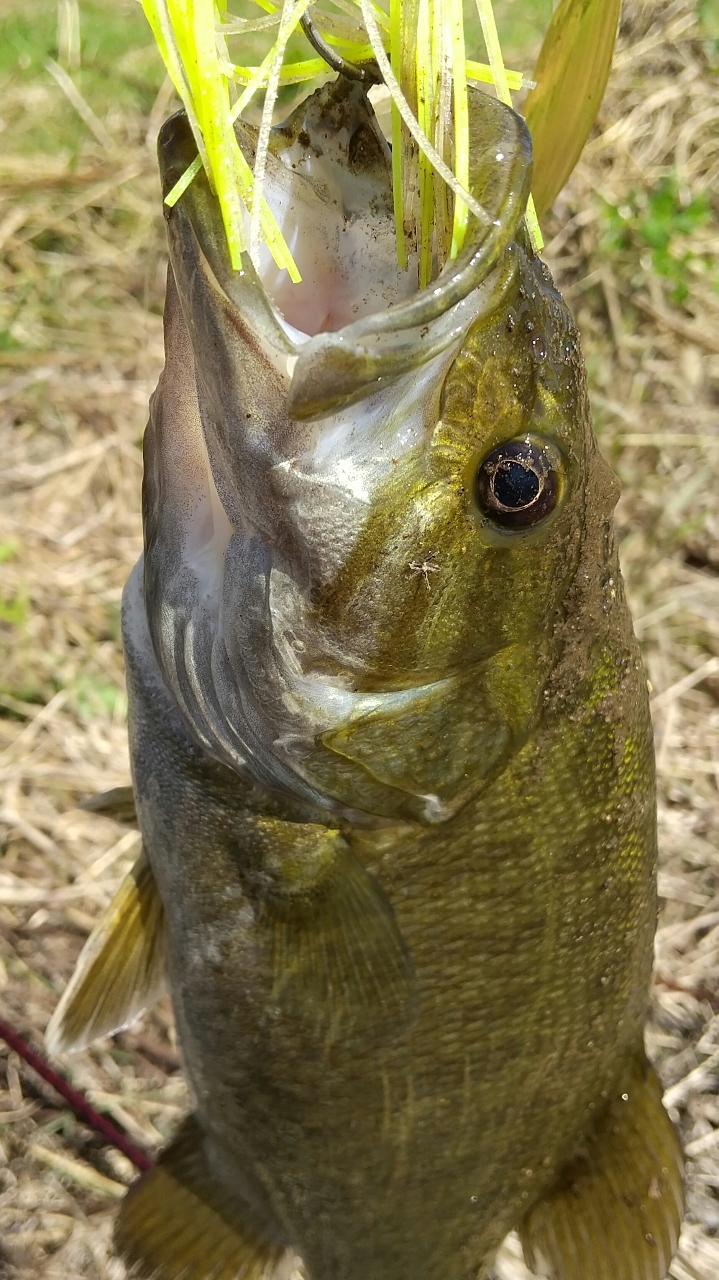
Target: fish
<point x="391" y="750"/>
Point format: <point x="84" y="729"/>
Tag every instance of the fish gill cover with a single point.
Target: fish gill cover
<point x="418" y="49"/>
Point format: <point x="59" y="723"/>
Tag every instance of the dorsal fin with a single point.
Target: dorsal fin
<point x="120" y="969"/>
<point x="616" y="1209"/>
<point x="178" y="1222"/>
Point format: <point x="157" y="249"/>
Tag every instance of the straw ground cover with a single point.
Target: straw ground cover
<point x="634" y="244"/>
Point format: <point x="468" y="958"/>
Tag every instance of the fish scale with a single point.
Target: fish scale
<point x="480" y="995"/>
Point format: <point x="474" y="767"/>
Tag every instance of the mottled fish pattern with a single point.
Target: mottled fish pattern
<point x="391" y="751"/>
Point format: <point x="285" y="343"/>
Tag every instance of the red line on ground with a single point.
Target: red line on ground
<point x="79" y="1103"/>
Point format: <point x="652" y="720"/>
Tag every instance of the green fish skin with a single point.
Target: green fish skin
<point x="392" y="752"/>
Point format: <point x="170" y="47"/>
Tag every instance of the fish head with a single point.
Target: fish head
<point x="363" y="503"/>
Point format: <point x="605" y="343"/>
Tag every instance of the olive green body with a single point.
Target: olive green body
<point x="393" y="760"/>
<point x="528" y="916"/>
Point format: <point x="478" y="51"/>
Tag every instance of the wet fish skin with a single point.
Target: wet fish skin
<point x="531" y="1000"/>
<point x="394" y="774"/>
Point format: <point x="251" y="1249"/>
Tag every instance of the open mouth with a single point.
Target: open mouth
<point x="329" y="185"/>
<point x="281" y="414"/>
<point x="355" y="322"/>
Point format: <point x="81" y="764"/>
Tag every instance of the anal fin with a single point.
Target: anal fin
<point x="120" y="969"/>
<point x="178" y="1222"/>
<point x="616" y="1210"/>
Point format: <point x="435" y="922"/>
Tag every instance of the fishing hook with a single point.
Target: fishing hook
<point x="368" y="74"/>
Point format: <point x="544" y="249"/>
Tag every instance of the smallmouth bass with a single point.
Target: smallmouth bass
<point x="392" y="755"/>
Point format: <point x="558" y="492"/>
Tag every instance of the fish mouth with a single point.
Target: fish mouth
<point x="282" y="412"/>
<point x="355" y="323"/>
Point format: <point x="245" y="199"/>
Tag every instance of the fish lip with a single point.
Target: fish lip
<point x="195" y="229"/>
<point x="333" y="369"/>
<point x="176" y="150"/>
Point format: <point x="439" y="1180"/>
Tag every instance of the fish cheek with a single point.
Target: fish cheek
<point x="503" y="592"/>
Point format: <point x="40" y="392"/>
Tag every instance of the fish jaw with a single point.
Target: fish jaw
<point x="293" y="494"/>
<point x="271" y="356"/>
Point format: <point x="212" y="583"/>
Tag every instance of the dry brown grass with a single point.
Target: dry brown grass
<point x="81" y="277"/>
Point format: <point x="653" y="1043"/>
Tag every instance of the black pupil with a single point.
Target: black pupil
<point x="515" y="485"/>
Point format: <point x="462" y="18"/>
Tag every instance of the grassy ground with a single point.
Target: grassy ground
<point x="634" y="245"/>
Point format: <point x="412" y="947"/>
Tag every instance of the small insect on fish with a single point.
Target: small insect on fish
<point x="391" y="751"/>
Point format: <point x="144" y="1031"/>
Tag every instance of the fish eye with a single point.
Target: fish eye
<point x="519" y="483"/>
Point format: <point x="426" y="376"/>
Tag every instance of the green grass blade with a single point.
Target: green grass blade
<point x="571" y="74"/>
<point x="501" y="86"/>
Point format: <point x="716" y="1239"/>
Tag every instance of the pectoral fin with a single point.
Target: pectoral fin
<point x="178" y="1223"/>
<point x="616" y="1210"/>
<point x="339" y="963"/>
<point x="120" y="969"/>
